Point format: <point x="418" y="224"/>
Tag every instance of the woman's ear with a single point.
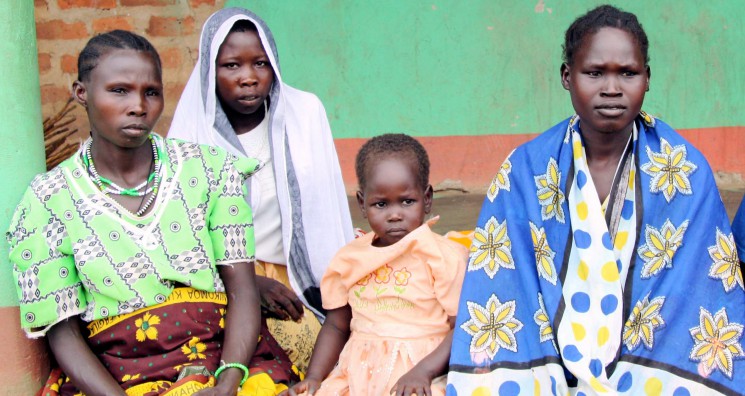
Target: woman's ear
<point x="564" y="70"/>
<point x="80" y="93"/>
<point x="428" y="192"/>
<point x="361" y="203"/>
<point x="649" y="76"/>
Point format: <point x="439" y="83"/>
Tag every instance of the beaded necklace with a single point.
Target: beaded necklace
<point x="108" y="187"/>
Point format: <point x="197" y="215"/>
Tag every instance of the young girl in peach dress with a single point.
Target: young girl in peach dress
<point x="392" y="294"/>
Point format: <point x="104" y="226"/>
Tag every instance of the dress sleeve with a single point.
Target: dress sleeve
<point x="230" y="220"/>
<point x="49" y="288"/>
<point x="448" y="271"/>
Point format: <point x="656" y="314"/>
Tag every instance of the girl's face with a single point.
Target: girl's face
<point x="123" y="97"/>
<point x="393" y="202"/>
<point x="244" y="74"/>
<point x="607" y="81"/>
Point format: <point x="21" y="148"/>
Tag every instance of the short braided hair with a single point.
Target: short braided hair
<point x="600" y="17"/>
<point x="105" y="42"/>
<point x="392" y="145"/>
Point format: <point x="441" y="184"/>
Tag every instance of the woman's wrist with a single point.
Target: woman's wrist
<point x="229" y="379"/>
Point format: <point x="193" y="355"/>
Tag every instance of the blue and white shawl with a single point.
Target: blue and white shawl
<point x="642" y="295"/>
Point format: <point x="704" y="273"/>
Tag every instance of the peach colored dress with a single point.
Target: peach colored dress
<point x="401" y="296"/>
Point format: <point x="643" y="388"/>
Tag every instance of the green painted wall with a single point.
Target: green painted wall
<point x="473" y="67"/>
<point x="22" y="155"/>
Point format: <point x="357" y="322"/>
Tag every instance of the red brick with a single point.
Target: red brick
<point x="54" y="93"/>
<point x="67" y="4"/>
<point x="56" y="29"/>
<point x="69" y="64"/>
<point x="171" y="58"/>
<point x="111" y="23"/>
<point x="197" y="3"/>
<point x="40" y="3"/>
<point x="170" y="26"/>
<point x="129" y="3"/>
<point x="45" y="62"/>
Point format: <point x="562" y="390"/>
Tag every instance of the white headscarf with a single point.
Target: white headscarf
<point x="310" y="189"/>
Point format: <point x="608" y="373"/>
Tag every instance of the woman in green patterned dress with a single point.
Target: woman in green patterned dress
<point x="128" y="254"/>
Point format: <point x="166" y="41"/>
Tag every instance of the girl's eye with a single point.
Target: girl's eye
<point x="593" y="73"/>
<point x="231" y="65"/>
<point x="379" y="205"/>
<point x="153" y="92"/>
<point x="408" y="202"/>
<point x="629" y="74"/>
<point x="118" y="90"/>
<point x="262" y="64"/>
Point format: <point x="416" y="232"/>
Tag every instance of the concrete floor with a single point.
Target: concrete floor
<point x="459" y="211"/>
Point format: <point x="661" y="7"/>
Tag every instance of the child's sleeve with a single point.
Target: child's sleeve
<point x="48" y="286"/>
<point x="334" y="287"/>
<point x="231" y="219"/>
<point x="448" y="271"/>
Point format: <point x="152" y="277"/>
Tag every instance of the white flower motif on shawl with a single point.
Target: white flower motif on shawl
<point x="726" y="264"/>
<point x="544" y="323"/>
<point x="492" y="326"/>
<point x="644" y="320"/>
<point x="717" y="342"/>
<point x="490" y="248"/>
<point x="669" y="170"/>
<point x="544" y="256"/>
<point x="660" y="248"/>
<point x="501" y="180"/>
<point x="549" y="192"/>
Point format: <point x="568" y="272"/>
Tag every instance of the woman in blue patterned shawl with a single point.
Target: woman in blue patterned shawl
<point x="603" y="261"/>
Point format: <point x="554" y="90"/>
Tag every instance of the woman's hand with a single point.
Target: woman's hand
<point x="278" y="299"/>
<point x="217" y="391"/>
<point x="416" y="381"/>
<point x="307" y="386"/>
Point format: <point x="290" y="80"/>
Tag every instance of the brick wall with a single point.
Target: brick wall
<point x="64" y="26"/>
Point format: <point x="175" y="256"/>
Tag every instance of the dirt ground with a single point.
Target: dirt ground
<point x="459" y="211"/>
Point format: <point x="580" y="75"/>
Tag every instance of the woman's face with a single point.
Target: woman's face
<point x="607" y="81"/>
<point x="244" y="73"/>
<point x="123" y="97"/>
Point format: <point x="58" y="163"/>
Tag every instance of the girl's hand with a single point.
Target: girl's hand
<point x="307" y="386"/>
<point x="416" y="381"/>
<point x="278" y="299"/>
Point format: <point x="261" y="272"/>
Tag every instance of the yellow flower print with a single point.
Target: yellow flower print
<point x="717" y="342"/>
<point x="660" y="248"/>
<point x="669" y="170"/>
<point x="544" y="323"/>
<point x="544" y="256"/>
<point x="501" y="180"/>
<point x="193" y="349"/>
<point x="128" y="377"/>
<point x="222" y="318"/>
<point x="490" y="248"/>
<point x="365" y="280"/>
<point x="549" y="192"/>
<point x="402" y="277"/>
<point x="644" y="320"/>
<point x="146" y="327"/>
<point x="492" y="326"/>
<point x="726" y="264"/>
<point x="383" y="274"/>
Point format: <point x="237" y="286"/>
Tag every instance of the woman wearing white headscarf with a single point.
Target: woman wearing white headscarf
<point x="236" y="99"/>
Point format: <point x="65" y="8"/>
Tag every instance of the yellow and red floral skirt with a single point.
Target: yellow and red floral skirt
<point x="173" y="347"/>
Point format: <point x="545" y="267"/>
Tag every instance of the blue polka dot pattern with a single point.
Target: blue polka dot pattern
<point x="509" y="388"/>
<point x="571" y="353"/>
<point x="609" y="304"/>
<point x="581" y="302"/>
<point x="582" y="239"/>
<point x="553" y="385"/>
<point x="627" y="210"/>
<point x="581" y="179"/>
<point x="681" y="391"/>
<point x="619" y="266"/>
<point x="596" y="367"/>
<point x="607" y="241"/>
<point x="450" y="390"/>
<point x="625" y="382"/>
